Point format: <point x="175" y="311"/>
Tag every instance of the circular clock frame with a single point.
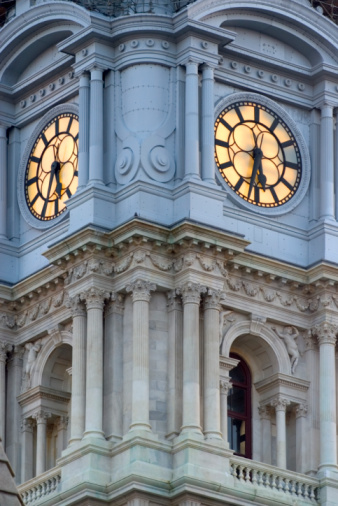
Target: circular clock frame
<point x="29" y="215"/>
<point x="285" y="199"/>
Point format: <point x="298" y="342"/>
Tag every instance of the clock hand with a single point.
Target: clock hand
<point x="58" y="188"/>
<point x="52" y="172"/>
<point x="261" y="177"/>
<point x="257" y="153"/>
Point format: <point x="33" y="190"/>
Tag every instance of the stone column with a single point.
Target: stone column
<point x="326" y="163"/>
<point x="84" y="99"/>
<point x="211" y="395"/>
<point x="175" y="365"/>
<point x="94" y="299"/>
<point x="326" y="334"/>
<point x="265" y="416"/>
<point x="3" y="358"/>
<point x="41" y="435"/>
<point x="3" y="182"/>
<point x="301" y="438"/>
<point x="208" y="159"/>
<point x="26" y="449"/>
<point x="62" y="426"/>
<point x="113" y="368"/>
<point x="78" y="399"/>
<point x="140" y="382"/>
<point x="96" y="126"/>
<point x="224" y="386"/>
<point x="280" y="407"/>
<point x="191" y="296"/>
<point x="191" y="122"/>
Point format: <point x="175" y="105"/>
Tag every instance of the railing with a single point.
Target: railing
<point x="289" y="483"/>
<point x="41" y="486"/>
<point x="116" y="8"/>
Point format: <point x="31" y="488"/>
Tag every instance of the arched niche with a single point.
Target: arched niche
<point x="259" y="346"/>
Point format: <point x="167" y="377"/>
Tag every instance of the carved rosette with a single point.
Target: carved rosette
<point x="280" y="404"/>
<point x="115" y="304"/>
<point x="141" y="290"/>
<point x="191" y="293"/>
<point x="326" y="333"/>
<point x="174" y="302"/>
<point x="212" y="299"/>
<point x="301" y="410"/>
<point x="94" y="298"/>
<point x="76" y="306"/>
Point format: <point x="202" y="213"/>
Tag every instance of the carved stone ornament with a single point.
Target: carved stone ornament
<point x="280" y="403"/>
<point x="191" y="293"/>
<point x="289" y="336"/>
<point x="224" y="386"/>
<point x="265" y="412"/>
<point x="31" y="352"/>
<point x="301" y="410"/>
<point x="326" y="333"/>
<point x="94" y="298"/>
<point x="212" y="299"/>
<point x="174" y="302"/>
<point x="76" y="305"/>
<point x="115" y="304"/>
<point x="5" y="348"/>
<point x="141" y="290"/>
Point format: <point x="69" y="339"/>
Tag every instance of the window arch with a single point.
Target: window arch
<point x="239" y="409"/>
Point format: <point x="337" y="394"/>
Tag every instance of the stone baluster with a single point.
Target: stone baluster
<point x="94" y="299"/>
<point x="3" y="181"/>
<point x="84" y="100"/>
<point x="96" y="126"/>
<point x="191" y="122"/>
<point x="207" y="141"/>
<point x="41" y="441"/>
<point x="265" y="416"/>
<point x="211" y="394"/>
<point x="113" y="368"/>
<point x="224" y="385"/>
<point x="326" y="334"/>
<point x="175" y="364"/>
<point x="26" y="449"/>
<point x="140" y="382"/>
<point x="280" y="405"/>
<point x="326" y="163"/>
<point x="78" y="399"/>
<point x="301" y="438"/>
<point x="191" y="296"/>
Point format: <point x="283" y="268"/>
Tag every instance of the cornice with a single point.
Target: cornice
<point x="41" y="392"/>
<point x="282" y="380"/>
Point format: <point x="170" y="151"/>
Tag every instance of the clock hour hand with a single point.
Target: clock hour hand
<point x="257" y="153"/>
<point x="58" y="188"/>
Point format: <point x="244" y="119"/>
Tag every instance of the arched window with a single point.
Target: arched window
<point x="239" y="409"/>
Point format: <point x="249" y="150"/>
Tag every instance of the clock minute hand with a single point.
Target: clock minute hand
<point x="257" y="153"/>
<point x="51" y="176"/>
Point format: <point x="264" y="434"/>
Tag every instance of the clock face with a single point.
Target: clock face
<point x="51" y="175"/>
<point x="257" y="154"/>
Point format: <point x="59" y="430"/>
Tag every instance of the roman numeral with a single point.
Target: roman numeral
<point x="32" y="180"/>
<point x="34" y="159"/>
<point x="290" y="165"/>
<point x="34" y="200"/>
<point x="76" y="173"/>
<point x="69" y="125"/>
<point x="256" y="114"/>
<point x="225" y="165"/>
<point x="256" y="190"/>
<point x="221" y="143"/>
<point x="274" y="124"/>
<point x="274" y="195"/>
<point x="57" y="127"/>
<point x="286" y="144"/>
<point x="56" y="207"/>
<point x="44" y="139"/>
<point x="239" y="184"/>
<point x="286" y="183"/>
<point x="68" y="193"/>
<point x="76" y="137"/>
<point x="224" y="123"/>
<point x="239" y="114"/>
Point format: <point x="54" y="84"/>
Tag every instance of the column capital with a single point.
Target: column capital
<point x="94" y="297"/>
<point x="326" y="333"/>
<point x="212" y="299"/>
<point x="76" y="305"/>
<point x="41" y="416"/>
<point x="4" y="349"/>
<point x="280" y="403"/>
<point x="301" y="410"/>
<point x="264" y="412"/>
<point x="224" y="386"/>
<point x="115" y="305"/>
<point x="26" y="425"/>
<point x="141" y="290"/>
<point x="62" y="422"/>
<point x="174" y="302"/>
<point x="191" y="292"/>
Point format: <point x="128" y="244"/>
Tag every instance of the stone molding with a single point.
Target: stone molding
<point x="76" y="305"/>
<point x="226" y="364"/>
<point x="141" y="290"/>
<point x="115" y="305"/>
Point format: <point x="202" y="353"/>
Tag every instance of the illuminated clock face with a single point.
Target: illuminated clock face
<point x="257" y="154"/>
<point x="51" y="175"/>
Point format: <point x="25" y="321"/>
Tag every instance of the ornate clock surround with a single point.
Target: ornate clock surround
<point x="25" y="211"/>
<point x="303" y="150"/>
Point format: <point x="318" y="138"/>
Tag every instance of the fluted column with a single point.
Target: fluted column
<point x="78" y="399"/>
<point x="191" y="122"/>
<point x="191" y="296"/>
<point x="265" y="418"/>
<point x="175" y="364"/>
<point x="94" y="299"/>
<point x="26" y="449"/>
<point x="41" y="440"/>
<point x="207" y="144"/>
<point x="280" y="407"/>
<point x="211" y="395"/>
<point x="3" y="359"/>
<point x="301" y="438"/>
<point x="3" y="182"/>
<point x="113" y="368"/>
<point x="62" y="426"/>
<point x="84" y="100"/>
<point x="140" y="382"/>
<point x="326" y="163"/>
<point x="326" y="334"/>
<point x="224" y="385"/>
<point x="96" y="126"/>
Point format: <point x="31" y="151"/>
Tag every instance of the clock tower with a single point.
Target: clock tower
<point x="168" y="251"/>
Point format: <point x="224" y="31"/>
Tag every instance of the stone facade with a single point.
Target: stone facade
<point x="128" y="319"/>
